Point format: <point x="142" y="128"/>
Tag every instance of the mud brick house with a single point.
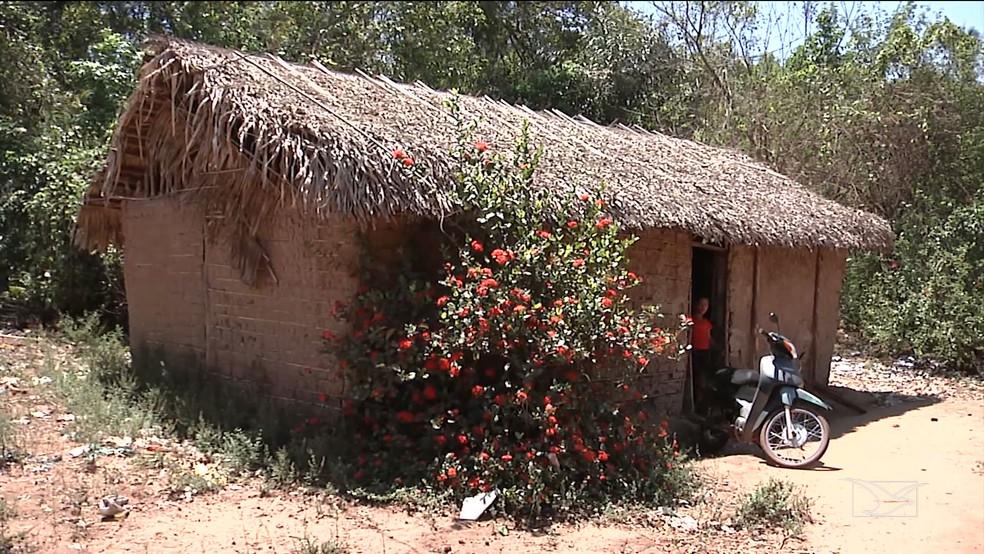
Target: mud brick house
<point x="239" y="187"/>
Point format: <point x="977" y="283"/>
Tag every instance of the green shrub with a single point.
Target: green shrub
<point x="926" y="298"/>
<point x="775" y="503"/>
<point x="515" y="367"/>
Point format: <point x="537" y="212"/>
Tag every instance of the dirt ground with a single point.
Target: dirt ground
<point x="932" y="443"/>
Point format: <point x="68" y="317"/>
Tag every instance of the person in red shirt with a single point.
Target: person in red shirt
<point x="700" y="353"/>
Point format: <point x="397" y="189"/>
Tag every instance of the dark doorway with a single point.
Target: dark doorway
<point x="709" y="279"/>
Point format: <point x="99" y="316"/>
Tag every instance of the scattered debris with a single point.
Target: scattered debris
<point x="41" y="414"/>
<point x="65" y="417"/>
<point x="474" y="506"/>
<point x="683" y="523"/>
<point x="79" y="451"/>
<point x="113" y="506"/>
<point x="119" y="442"/>
<point x="11" y="384"/>
<point x="43" y="380"/>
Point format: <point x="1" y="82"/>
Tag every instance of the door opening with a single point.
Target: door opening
<point x="709" y="287"/>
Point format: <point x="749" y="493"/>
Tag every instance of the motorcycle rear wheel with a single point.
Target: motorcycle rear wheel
<point x="808" y="426"/>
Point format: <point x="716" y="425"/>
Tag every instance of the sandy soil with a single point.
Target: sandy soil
<point x="907" y="439"/>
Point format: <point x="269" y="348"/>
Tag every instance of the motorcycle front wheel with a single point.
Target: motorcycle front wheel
<point x="800" y="445"/>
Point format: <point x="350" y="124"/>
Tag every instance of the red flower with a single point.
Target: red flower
<point x="404" y="416"/>
<point x="399" y="154"/>
<point x="477" y="246"/>
<point x="443" y="364"/>
<point x="478" y="390"/>
<point x="519" y="309"/>
<point x="406" y="344"/>
<point x="408" y="162"/>
<point x="571" y="224"/>
<point x="441" y="440"/>
<point x="430" y="393"/>
<point x="552" y="420"/>
<point x="600" y="203"/>
<point x="606" y="302"/>
<point x="603" y="222"/>
<point x="544" y="234"/>
<point x="328" y="335"/>
<point x="482" y="290"/>
<point x="463" y="312"/>
<point x="490" y="283"/>
<point x="585" y="198"/>
<point x="322" y="397"/>
<point x="452" y="473"/>
<point x="462" y="440"/>
<point x="442" y="301"/>
<point x="643" y="361"/>
<point x="588" y="455"/>
<point x="481" y="145"/>
<point x="425" y="335"/>
<point x="578" y="262"/>
<point x="493" y="312"/>
<point x="501" y="257"/>
<point x="551" y="431"/>
<point x="611" y="293"/>
<point x="633" y="276"/>
<point x="484" y="456"/>
<point x="563" y="351"/>
<point x="506" y="458"/>
<point x="603" y="456"/>
<point x="454" y="371"/>
<point x="521" y="396"/>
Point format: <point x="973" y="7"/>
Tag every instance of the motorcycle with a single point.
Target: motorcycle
<point x="768" y="406"/>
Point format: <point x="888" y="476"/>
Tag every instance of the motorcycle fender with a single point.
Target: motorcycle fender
<point x="789" y="396"/>
<point x="812" y="399"/>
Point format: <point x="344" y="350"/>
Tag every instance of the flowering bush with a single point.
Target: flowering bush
<point x="514" y="367"/>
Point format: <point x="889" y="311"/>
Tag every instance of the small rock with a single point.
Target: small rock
<point x="40" y="414"/>
<point x="684" y="523"/>
<point x="933" y="419"/>
<point x="78" y="451"/>
<point x="65" y="417"/>
<point x="112" y="506"/>
<point x="43" y="380"/>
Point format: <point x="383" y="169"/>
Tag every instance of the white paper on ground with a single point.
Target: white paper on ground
<point x="474" y="506"/>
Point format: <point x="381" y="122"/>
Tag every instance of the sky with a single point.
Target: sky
<point x="968" y="14"/>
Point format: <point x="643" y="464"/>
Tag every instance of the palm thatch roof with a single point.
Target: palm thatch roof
<point x="255" y="132"/>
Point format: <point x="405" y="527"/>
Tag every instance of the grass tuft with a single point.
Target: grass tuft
<point x="776" y="503"/>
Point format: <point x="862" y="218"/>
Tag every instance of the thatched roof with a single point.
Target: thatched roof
<point x="262" y="131"/>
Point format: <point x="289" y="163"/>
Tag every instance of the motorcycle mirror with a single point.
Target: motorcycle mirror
<point x="775" y="319"/>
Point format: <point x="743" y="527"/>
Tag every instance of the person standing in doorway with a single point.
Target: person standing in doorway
<point x="700" y="353"/>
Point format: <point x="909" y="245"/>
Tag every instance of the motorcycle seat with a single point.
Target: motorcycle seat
<point x="744" y="377"/>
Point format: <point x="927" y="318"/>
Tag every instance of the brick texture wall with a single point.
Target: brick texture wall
<point x="188" y="305"/>
<point x="163" y="272"/>
<point x="662" y="258"/>
<point x="186" y="298"/>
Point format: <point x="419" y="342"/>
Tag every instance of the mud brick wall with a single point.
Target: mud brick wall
<point x="662" y="258"/>
<point x="188" y="306"/>
<point x="163" y="274"/>
<point x="187" y="300"/>
<point x="268" y="337"/>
